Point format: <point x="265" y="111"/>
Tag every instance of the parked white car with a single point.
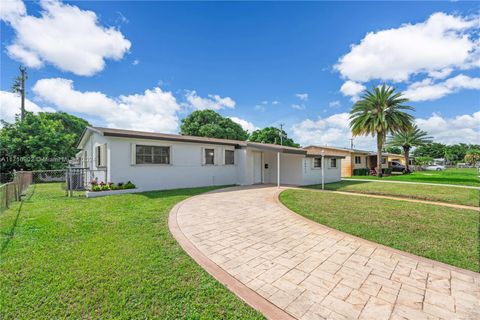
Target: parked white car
<point x="435" y="167"/>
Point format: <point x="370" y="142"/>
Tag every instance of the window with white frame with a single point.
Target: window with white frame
<point x="317" y="162"/>
<point x="333" y="163"/>
<point x="358" y="160"/>
<point x="229" y="157"/>
<point x="210" y="156"/>
<point x="152" y="154"/>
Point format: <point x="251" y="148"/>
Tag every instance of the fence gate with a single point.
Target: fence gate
<point x="79" y="179"/>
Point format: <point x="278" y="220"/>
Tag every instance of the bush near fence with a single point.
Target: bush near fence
<point x="361" y="172"/>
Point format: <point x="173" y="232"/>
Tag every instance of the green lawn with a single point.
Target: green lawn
<point x="104" y="258"/>
<point x="465" y="196"/>
<point x="468" y="177"/>
<point x="445" y="234"/>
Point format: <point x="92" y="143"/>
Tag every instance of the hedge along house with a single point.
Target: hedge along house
<point x="355" y="159"/>
<point x="155" y="161"/>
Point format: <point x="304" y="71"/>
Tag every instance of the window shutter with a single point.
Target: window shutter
<point x="202" y="155"/>
<point x="133" y="154"/>
<point x="312" y="163"/>
<point x="103" y="158"/>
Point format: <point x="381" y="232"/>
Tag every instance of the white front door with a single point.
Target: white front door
<point x="257" y="167"/>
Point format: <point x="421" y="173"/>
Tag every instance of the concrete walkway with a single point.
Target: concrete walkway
<point x="413" y="182"/>
<point x="399" y="198"/>
<point x="287" y="266"/>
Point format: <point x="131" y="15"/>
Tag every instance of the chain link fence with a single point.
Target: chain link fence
<point x="70" y="179"/>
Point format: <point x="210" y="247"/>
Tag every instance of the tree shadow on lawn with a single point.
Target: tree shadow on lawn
<point x="195" y="191"/>
<point x="11" y="233"/>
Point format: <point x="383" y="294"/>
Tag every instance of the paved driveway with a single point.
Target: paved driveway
<point x="272" y="257"/>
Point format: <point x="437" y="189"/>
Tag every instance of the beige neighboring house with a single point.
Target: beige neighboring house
<point x="355" y="158"/>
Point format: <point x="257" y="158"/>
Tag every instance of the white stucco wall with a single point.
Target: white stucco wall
<point x="314" y="175"/>
<point x="186" y="169"/>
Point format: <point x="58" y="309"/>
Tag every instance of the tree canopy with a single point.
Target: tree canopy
<point x="393" y="150"/>
<point x="452" y="153"/>
<point x="39" y="142"/>
<point x="208" y="123"/>
<point x="272" y="135"/>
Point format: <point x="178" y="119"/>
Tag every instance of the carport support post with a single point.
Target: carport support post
<point x="278" y="169"/>
<point x="323" y="171"/>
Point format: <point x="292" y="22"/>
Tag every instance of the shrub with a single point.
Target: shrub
<point x="96" y="188"/>
<point x="113" y="186"/>
<point x="387" y="171"/>
<point x="361" y="172"/>
<point x="105" y="187"/>
<point x="129" y="185"/>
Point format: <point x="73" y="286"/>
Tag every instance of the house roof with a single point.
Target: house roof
<point x="194" y="139"/>
<point x="338" y="149"/>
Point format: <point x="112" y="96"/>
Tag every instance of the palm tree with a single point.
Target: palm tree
<point x="406" y="139"/>
<point x="381" y="111"/>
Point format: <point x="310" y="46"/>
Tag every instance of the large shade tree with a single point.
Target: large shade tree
<point x="407" y="139"/>
<point x="272" y="135"/>
<point x="208" y="123"/>
<point x="39" y="142"/>
<point x="379" y="112"/>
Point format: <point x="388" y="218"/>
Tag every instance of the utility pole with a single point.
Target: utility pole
<point x="351" y="143"/>
<point x="281" y="134"/>
<point x="19" y="87"/>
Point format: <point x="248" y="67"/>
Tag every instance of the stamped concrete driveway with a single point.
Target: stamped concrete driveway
<point x="285" y="265"/>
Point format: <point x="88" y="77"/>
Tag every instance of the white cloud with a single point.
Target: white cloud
<point x="333" y="131"/>
<point x="63" y="35"/>
<point x="264" y="102"/>
<point x="246" y="125"/>
<point x="352" y="89"/>
<point x="298" y="106"/>
<point x="214" y="101"/>
<point x="435" y="46"/>
<point x="11" y="10"/>
<point x="428" y="90"/>
<point x="334" y="104"/>
<point x="275" y="102"/>
<point x="460" y="129"/>
<point x="135" y="62"/>
<point x="153" y="110"/>
<point x="302" y="96"/>
<point x="10" y="106"/>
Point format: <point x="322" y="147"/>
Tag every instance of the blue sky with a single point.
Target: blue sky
<point x="263" y="63"/>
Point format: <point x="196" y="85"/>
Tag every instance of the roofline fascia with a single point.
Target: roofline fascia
<point x="124" y="135"/>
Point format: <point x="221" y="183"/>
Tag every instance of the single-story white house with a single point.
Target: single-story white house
<point x="155" y="161"/>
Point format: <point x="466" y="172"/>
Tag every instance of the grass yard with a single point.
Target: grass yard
<point x="464" y="196"/>
<point x="104" y="258"/>
<point x="440" y="233"/>
<point x="467" y="177"/>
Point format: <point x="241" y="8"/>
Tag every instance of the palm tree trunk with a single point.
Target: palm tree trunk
<point x="379" y="153"/>
<point x="406" y="152"/>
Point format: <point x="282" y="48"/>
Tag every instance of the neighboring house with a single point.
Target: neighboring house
<point x="356" y="159"/>
<point x="155" y="161"/>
